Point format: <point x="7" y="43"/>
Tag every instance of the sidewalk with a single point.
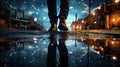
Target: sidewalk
<point x="100" y="31"/>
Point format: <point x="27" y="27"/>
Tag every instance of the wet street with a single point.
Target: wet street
<point x="62" y="49"/>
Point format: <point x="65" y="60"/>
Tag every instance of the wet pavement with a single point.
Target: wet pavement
<point x="59" y="50"/>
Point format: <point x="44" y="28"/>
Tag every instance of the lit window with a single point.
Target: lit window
<point x="113" y="20"/>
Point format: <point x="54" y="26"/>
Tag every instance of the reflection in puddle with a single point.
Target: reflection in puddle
<point x="108" y="50"/>
<point x="105" y="47"/>
<point x="59" y="50"/>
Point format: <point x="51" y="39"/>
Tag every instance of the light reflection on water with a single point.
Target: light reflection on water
<point x="60" y="50"/>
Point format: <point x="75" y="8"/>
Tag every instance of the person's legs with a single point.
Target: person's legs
<point x="64" y="9"/>
<point x="51" y="56"/>
<point x="52" y="13"/>
<point x="63" y="60"/>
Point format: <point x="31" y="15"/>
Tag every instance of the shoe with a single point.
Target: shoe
<point x="62" y="25"/>
<point x="53" y="28"/>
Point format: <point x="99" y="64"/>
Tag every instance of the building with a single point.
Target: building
<point x="15" y="20"/>
<point x="107" y="48"/>
<point x="106" y="16"/>
<point x="112" y="15"/>
<point x="78" y="25"/>
<point x="19" y="24"/>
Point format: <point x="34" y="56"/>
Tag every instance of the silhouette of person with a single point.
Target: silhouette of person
<point x="52" y="13"/>
<point x="63" y="52"/>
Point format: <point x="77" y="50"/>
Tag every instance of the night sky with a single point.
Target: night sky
<point x="38" y="9"/>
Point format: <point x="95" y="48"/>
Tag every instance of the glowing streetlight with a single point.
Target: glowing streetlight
<point x="113" y="20"/>
<point x="114" y="57"/>
<point x="77" y="27"/>
<point x="83" y="21"/>
<point x="93" y="13"/>
<point x="99" y="7"/>
<point x="95" y="22"/>
<point x="116" y="1"/>
<point x="112" y="42"/>
<point x="97" y="52"/>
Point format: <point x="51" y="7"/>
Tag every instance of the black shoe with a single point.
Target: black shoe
<point x="53" y="28"/>
<point x="62" y="25"/>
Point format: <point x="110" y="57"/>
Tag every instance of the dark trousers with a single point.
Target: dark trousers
<point x="63" y="52"/>
<point x="52" y="10"/>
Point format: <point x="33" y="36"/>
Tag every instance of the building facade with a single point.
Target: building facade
<point x="106" y="16"/>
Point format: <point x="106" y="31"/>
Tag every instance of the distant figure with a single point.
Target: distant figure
<point x="52" y="13"/>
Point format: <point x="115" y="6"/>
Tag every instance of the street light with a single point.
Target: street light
<point x="77" y="27"/>
<point x="99" y="7"/>
<point x="114" y="57"/>
<point x="112" y="42"/>
<point x="95" y="22"/>
<point x="93" y="13"/>
<point x="83" y="21"/>
<point x="113" y="20"/>
<point x="116" y="1"/>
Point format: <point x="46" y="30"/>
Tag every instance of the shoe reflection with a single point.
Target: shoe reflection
<point x="63" y="52"/>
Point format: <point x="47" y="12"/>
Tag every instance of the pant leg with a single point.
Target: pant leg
<point x="52" y="12"/>
<point x="63" y="60"/>
<point x="64" y="8"/>
<point x="51" y="56"/>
